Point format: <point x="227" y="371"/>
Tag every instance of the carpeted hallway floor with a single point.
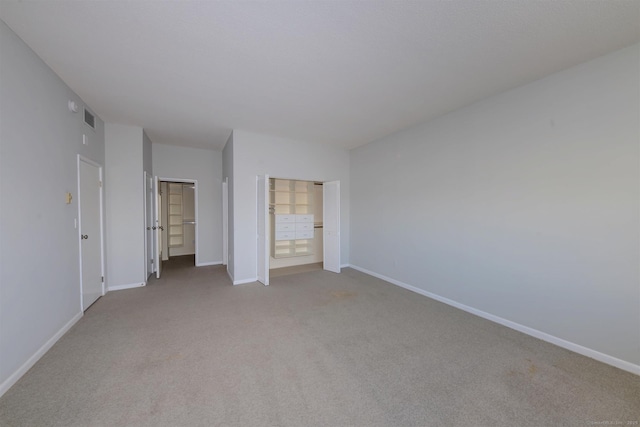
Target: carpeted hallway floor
<point x="312" y="349"/>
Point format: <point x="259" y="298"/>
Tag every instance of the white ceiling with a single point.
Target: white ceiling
<point x="335" y="72"/>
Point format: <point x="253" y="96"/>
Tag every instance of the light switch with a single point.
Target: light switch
<point x="84" y="139"/>
<point x="69" y="198"/>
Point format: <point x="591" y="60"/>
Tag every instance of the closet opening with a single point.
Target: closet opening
<point x="178" y="217"/>
<point x="296" y="226"/>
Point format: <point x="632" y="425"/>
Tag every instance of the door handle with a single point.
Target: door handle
<point x="161" y="228"/>
<point x="148" y="228"/>
<point x="84" y="236"/>
<point x="154" y="227"/>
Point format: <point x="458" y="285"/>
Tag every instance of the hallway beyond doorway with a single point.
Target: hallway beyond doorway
<point x="179" y="262"/>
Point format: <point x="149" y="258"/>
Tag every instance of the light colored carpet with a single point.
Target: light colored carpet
<point x="312" y="349"/>
<point x="285" y="271"/>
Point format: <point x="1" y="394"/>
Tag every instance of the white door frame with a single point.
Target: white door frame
<point x="164" y="218"/>
<point x="158" y="240"/>
<point x="225" y="221"/>
<point x="81" y="158"/>
<point x="148" y="224"/>
<point x="262" y="233"/>
<point x="195" y="200"/>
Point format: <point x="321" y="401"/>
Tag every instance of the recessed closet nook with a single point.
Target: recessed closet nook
<point x="295" y="215"/>
<point x="177" y="209"/>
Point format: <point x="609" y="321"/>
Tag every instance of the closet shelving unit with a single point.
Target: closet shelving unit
<point x="291" y="213"/>
<point x="176" y="226"/>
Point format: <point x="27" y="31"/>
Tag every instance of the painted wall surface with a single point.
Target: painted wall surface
<point x="205" y="166"/>
<point x="39" y="245"/>
<point x="524" y="206"/>
<point x="227" y="173"/>
<point x="125" y="206"/>
<point x="255" y="154"/>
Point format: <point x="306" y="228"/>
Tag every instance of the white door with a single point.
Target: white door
<point x="331" y="225"/>
<point x="225" y="222"/>
<point x="158" y="228"/>
<point x="149" y="224"/>
<point x="163" y="217"/>
<point x="89" y="207"/>
<point x="263" y="229"/>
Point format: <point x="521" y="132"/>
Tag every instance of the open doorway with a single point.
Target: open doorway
<point x="177" y="230"/>
<point x="298" y="226"/>
<point x="295" y="216"/>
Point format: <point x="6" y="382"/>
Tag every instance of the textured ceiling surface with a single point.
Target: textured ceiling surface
<point x="335" y="72"/>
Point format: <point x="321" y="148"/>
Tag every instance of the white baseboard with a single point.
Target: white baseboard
<point x="585" y="351"/>
<point x="204" y="264"/>
<point x="345" y="265"/>
<point x="242" y="282"/>
<point x="9" y="382"/>
<point x="129" y="286"/>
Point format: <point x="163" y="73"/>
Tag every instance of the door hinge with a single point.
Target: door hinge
<point x="100" y="184"/>
<point x="151" y="261"/>
<point x="102" y="279"/>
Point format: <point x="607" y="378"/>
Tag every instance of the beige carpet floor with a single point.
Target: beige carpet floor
<point x="304" y="268"/>
<point x="312" y="349"/>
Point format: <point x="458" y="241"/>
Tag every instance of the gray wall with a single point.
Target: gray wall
<point x="256" y="154"/>
<point x="39" y="245"/>
<point x="524" y="206"/>
<point x="125" y="206"/>
<point x="205" y="166"/>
